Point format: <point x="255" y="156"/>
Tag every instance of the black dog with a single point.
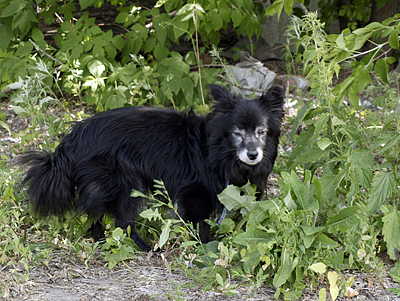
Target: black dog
<point x="106" y="156"/>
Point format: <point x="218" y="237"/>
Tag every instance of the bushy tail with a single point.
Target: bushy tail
<point x="51" y="189"/>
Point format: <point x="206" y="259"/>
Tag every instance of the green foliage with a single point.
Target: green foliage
<point x="337" y="189"/>
<point x="118" y="248"/>
<point x="32" y="99"/>
<point x="13" y="248"/>
<point x="395" y="274"/>
<point x="110" y="70"/>
<point x="171" y="227"/>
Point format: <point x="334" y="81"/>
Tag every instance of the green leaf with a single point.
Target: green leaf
<point x="165" y="233"/>
<point x="20" y="110"/>
<point x="118" y="42"/>
<point x="340" y="42"/>
<point x="227" y="225"/>
<point x="318" y="267"/>
<point x="95" y="30"/>
<point x="362" y="78"/>
<point x="37" y="35"/>
<point x="217" y="22"/>
<point x="360" y="40"/>
<point x="324" y="143"/>
<point x="160" y="52"/>
<point x="383" y="187"/>
<point x="299" y="118"/>
<point x="150" y="44"/>
<point x="219" y="279"/>
<point x="362" y="167"/>
<point x="322" y="294"/>
<point x="159" y="24"/>
<point x="394" y="39"/>
<point x="301" y="192"/>
<point x="391" y="230"/>
<point x="382" y="69"/>
<point x="190" y="58"/>
<point x="336" y="121"/>
<point x="98" y="51"/>
<point x="151" y="214"/>
<point x="325" y="242"/>
<point x="344" y="220"/>
<point x="344" y="88"/>
<point x="310" y="230"/>
<point x="389" y="144"/>
<point x="225" y="14"/>
<point x="4" y="125"/>
<point x="5" y="37"/>
<point x="96" y="68"/>
<point x="285" y="269"/>
<point x="85" y="3"/>
<point x="252" y="237"/>
<point x="23" y="20"/>
<point x="187" y="88"/>
<point x="233" y="200"/>
<point x="117" y="98"/>
<point x="353" y="98"/>
<point x="137" y="193"/>
<point x="288" y="7"/>
<point x="76" y="51"/>
<point x="24" y="49"/>
<point x="236" y="17"/>
<point x="13" y="8"/>
<point x="275" y="8"/>
<point x="333" y="288"/>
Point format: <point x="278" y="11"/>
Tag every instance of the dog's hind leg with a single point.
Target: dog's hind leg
<point x="125" y="213"/>
<point x="204" y="230"/>
<point x="125" y="216"/>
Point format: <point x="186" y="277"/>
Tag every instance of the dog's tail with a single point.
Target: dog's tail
<point x="51" y="189"/>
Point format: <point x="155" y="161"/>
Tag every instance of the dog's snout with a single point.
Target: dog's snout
<point x="252" y="155"/>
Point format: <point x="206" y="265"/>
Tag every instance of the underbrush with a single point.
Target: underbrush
<point x="338" y="203"/>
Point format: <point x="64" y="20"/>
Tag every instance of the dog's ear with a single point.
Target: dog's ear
<point x="222" y="97"/>
<point x="273" y="99"/>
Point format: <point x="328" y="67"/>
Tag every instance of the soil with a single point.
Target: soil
<point x="145" y="278"/>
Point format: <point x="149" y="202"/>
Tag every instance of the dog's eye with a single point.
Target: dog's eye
<point x="260" y="132"/>
<point x="238" y="134"/>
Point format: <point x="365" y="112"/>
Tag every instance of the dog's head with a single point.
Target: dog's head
<point x="249" y="126"/>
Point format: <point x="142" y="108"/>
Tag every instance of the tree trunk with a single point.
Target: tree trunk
<point x="390" y="8"/>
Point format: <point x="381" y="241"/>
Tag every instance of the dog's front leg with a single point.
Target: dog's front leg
<point x="204" y="229"/>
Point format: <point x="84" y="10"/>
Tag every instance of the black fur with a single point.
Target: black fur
<point x="100" y="161"/>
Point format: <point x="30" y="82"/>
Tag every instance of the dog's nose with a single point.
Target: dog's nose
<point x="252" y="155"/>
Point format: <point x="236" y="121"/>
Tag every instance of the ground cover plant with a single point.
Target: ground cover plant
<point x="338" y="203"/>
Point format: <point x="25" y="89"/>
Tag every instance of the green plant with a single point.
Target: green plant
<point x="32" y="98"/>
<point x="118" y="248"/>
<point x="170" y="226"/>
<point x="14" y="251"/>
<point x="395" y="274"/>
<point x="176" y="293"/>
<point x="97" y="66"/>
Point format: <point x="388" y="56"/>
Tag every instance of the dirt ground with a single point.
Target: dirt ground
<point x="145" y="279"/>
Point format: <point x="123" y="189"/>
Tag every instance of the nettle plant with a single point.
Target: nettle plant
<point x="338" y="188"/>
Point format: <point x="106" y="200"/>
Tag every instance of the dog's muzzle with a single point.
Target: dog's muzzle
<point x="251" y="157"/>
